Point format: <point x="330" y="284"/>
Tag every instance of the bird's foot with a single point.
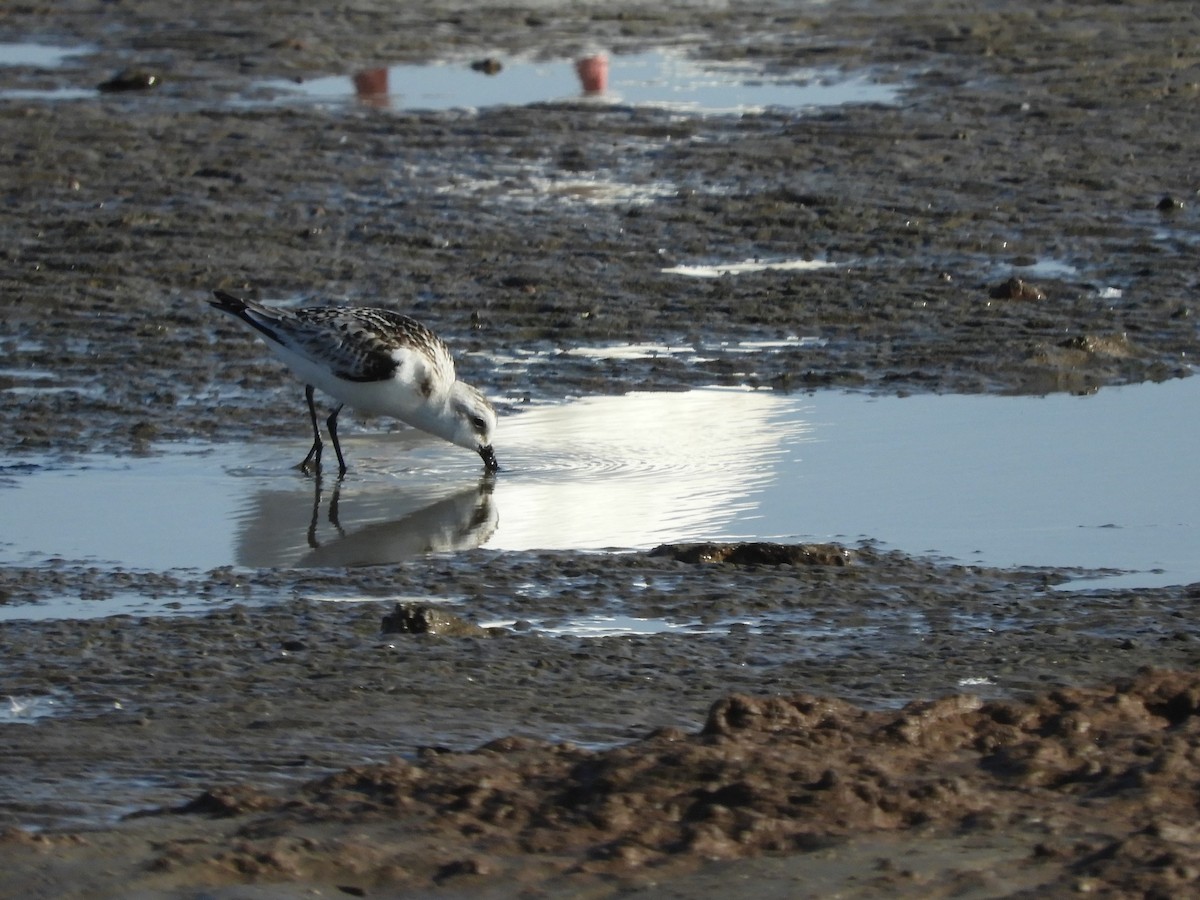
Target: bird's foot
<point x="311" y="464"/>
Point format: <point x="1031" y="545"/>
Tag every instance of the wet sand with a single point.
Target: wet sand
<point x="287" y="744"/>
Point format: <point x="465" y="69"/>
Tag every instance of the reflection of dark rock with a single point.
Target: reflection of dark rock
<point x="130" y="80"/>
<point x="420" y="618"/>
<point x="1079" y="363"/>
<point x="489" y="66"/>
<point x="758" y="554"/>
<point x="1017" y="289"/>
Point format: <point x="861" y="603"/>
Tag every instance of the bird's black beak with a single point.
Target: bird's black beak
<point x="489" y="459"/>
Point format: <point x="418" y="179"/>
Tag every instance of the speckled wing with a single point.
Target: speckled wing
<point x="362" y="344"/>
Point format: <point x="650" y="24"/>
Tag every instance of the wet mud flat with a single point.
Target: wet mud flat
<point x="1017" y="140"/>
<point x="1042" y="143"/>
<point x="815" y="701"/>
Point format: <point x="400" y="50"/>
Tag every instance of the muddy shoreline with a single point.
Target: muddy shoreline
<point x="1000" y="152"/>
<point x="1042" y="143"/>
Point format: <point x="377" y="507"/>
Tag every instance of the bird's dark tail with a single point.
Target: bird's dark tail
<point x="244" y="310"/>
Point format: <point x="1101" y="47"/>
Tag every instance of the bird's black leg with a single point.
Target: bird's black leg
<point x="314" y="453"/>
<point x="331" y="424"/>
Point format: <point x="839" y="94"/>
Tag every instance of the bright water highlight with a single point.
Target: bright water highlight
<point x="1107" y="481"/>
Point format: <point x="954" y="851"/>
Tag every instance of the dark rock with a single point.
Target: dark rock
<point x="758" y="553"/>
<point x="130" y="80"/>
<point x="1017" y="289"/>
<point x="420" y="618"/>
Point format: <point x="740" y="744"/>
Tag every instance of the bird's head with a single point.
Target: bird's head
<point x="474" y="421"/>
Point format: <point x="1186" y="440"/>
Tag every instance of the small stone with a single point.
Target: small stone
<point x="130" y="80"/>
<point x="1017" y="289"/>
<point x="421" y="618"/>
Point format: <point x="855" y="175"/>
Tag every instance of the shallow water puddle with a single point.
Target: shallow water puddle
<point x="665" y="78"/>
<point x="38" y="56"/>
<point x="43" y="57"/>
<point x="690" y="352"/>
<point x="31" y="709"/>
<point x="1104" y="481"/>
<point x="609" y="625"/>
<point x="717" y="270"/>
<point x="662" y="78"/>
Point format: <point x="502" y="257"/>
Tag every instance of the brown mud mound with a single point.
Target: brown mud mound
<point x="758" y="553"/>
<point x="1106" y="776"/>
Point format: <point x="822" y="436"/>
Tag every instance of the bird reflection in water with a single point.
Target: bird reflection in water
<point x="392" y="526"/>
<point x="462" y="521"/>
<point x="334" y="516"/>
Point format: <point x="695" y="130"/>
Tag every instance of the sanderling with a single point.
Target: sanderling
<point x="376" y="361"/>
